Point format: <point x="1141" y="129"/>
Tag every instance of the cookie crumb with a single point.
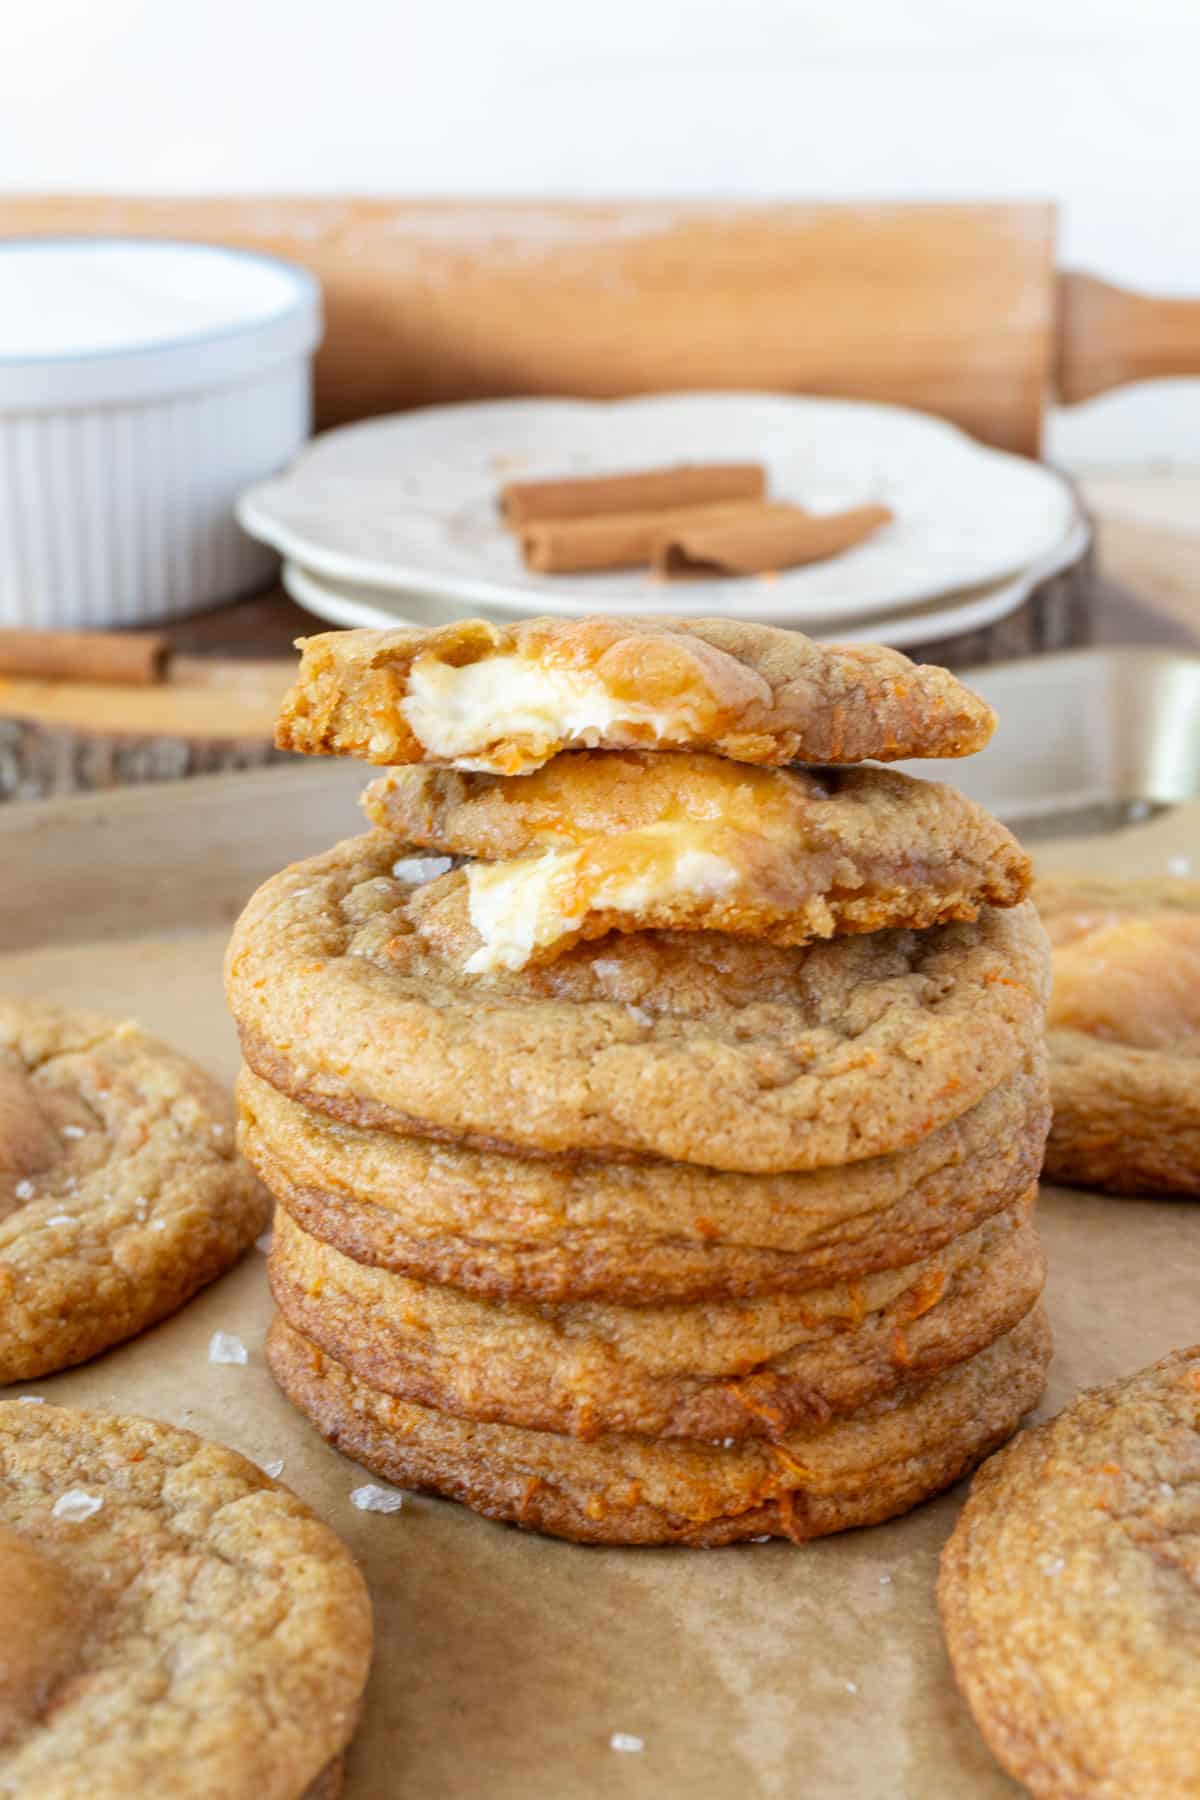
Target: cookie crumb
<point x="273" y="1469"/>
<point x="373" y="1498"/>
<point x="224" y="1347"/>
<point x="414" y="871"/>
<point x="625" y="1740"/>
<point x="76" y="1505"/>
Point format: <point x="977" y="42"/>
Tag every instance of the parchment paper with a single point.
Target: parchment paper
<point x="505" y="1661"/>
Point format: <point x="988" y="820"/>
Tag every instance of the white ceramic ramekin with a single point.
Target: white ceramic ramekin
<point x="143" y="384"/>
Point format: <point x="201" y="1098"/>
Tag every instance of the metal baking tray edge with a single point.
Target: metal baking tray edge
<point x="1087" y="740"/>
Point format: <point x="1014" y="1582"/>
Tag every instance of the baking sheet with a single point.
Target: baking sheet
<point x="1086" y="739"/>
<point x="506" y="1661"/>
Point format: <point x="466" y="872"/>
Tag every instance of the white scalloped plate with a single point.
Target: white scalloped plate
<point x="353" y="604"/>
<point x="408" y="503"/>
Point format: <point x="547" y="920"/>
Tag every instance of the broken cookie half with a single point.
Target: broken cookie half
<point x="597" y="842"/>
<point x="506" y="699"/>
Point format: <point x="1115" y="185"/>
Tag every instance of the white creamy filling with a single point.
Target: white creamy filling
<point x="456" y="713"/>
<point x="522" y="906"/>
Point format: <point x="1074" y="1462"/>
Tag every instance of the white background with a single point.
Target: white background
<point x="1090" y="102"/>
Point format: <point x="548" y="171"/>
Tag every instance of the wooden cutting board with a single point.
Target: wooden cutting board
<point x="210" y="714"/>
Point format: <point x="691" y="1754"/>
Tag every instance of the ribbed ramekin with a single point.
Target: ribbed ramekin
<point x="119" y="466"/>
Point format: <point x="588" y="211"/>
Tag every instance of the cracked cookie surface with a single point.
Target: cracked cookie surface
<point x="1124" y="1033"/>
<point x="537" y="1228"/>
<point x="622" y="1490"/>
<point x="121" y="1189"/>
<point x="733" y="1370"/>
<point x="1070" y="1593"/>
<point x="349" y="994"/>
<point x="174" y="1620"/>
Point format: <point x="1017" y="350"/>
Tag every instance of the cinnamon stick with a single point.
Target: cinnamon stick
<point x="618" y="540"/>
<point x="648" y="490"/>
<point x="762" y="539"/>
<point x="122" y="658"/>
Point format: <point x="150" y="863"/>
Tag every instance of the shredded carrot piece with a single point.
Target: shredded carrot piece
<point x="787" y="1461"/>
<point x="532" y="1488"/>
<point x="758" y="1409"/>
<point x="787" y="1507"/>
<point x="926" y="1294"/>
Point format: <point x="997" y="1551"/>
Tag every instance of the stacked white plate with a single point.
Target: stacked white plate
<point x="395" y="521"/>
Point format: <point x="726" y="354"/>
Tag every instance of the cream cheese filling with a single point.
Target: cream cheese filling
<point x="460" y="714"/>
<point x="526" y="905"/>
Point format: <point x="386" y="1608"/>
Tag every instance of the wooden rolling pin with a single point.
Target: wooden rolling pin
<point x="1110" y="336"/>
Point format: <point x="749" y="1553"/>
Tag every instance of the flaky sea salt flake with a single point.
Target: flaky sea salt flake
<point x="415" y="871"/>
<point x="24" y="1190"/>
<point x="263" y="1243"/>
<point x="73" y="1131"/>
<point x="373" y="1498"/>
<point x="1179" y="865"/>
<point x="76" y="1505"/>
<point x="224" y="1347"/>
<point x="273" y="1469"/>
<point x="625" y="1741"/>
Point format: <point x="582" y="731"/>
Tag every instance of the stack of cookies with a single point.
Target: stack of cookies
<point x="654" y="1098"/>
